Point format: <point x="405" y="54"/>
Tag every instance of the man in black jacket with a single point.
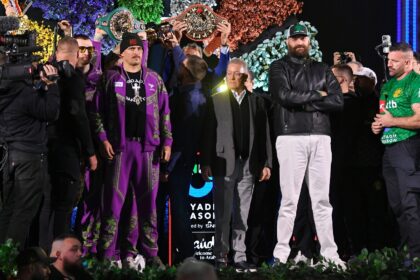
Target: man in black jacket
<point x="24" y="113"/>
<point x="305" y="92"/>
<point x="69" y="142"/>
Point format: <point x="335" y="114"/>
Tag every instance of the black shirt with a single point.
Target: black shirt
<point x="135" y="106"/>
<point x="240" y="114"/>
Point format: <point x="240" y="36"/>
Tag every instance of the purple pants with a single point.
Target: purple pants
<point x="138" y="170"/>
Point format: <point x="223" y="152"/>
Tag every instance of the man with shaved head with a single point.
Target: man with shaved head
<point x="399" y="123"/>
<point x="67" y="250"/>
<point x="69" y="143"/>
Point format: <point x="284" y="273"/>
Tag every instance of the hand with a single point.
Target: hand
<point x="171" y="40"/>
<point x="165" y="154"/>
<point x="351" y="55"/>
<point x="10" y="11"/>
<point x="386" y="119"/>
<point x="376" y="128"/>
<point x="336" y="58"/>
<point x="50" y="72"/>
<point x="107" y="151"/>
<point x="322" y="93"/>
<point x="178" y="28"/>
<point x="225" y="28"/>
<point x="116" y="50"/>
<point x="99" y="34"/>
<point x="163" y="177"/>
<point x="265" y="174"/>
<point x="142" y="35"/>
<point x="206" y="172"/>
<point x="93" y="163"/>
<point x="65" y="26"/>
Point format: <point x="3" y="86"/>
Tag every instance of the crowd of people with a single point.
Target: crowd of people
<point x="116" y="138"/>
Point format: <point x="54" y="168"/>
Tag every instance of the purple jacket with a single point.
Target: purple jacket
<point x="110" y="110"/>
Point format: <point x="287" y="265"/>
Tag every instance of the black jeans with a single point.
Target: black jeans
<point x="59" y="201"/>
<point x="24" y="181"/>
<point x="177" y="188"/>
<point x="401" y="170"/>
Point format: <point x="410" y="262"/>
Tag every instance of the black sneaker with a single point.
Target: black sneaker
<point x="245" y="267"/>
<point x="276" y="262"/>
<point x="219" y="264"/>
<point x="155" y="262"/>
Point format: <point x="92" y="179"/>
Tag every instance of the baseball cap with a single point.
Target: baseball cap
<point x="366" y="72"/>
<point x="298" y="29"/>
<point x="33" y="255"/>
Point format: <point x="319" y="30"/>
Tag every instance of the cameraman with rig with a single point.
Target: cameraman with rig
<point x="24" y="113"/>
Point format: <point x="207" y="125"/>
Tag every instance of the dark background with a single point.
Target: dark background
<point x="355" y="25"/>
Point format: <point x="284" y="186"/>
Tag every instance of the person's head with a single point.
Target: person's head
<point x="131" y="49"/>
<point x="67" y="248"/>
<point x="344" y="76"/>
<point x="33" y="264"/>
<point x="249" y="84"/>
<point x="67" y="49"/>
<point x="236" y="74"/>
<point x="193" y="49"/>
<point x="400" y="60"/>
<point x="86" y="49"/>
<point x="298" y="41"/>
<point x="416" y="62"/>
<point x="193" y="69"/>
<point x="192" y="269"/>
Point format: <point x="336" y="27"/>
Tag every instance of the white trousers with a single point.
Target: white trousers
<point x="309" y="157"/>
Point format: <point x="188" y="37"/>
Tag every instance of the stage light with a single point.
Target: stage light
<point x="398" y="20"/>
<point x="407" y="21"/>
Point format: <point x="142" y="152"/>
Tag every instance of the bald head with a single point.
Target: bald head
<point x="67" y="49"/>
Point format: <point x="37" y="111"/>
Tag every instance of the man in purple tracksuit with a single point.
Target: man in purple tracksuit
<point x="133" y="125"/>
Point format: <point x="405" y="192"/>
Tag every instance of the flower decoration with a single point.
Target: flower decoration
<point x="44" y="38"/>
<point x="269" y="50"/>
<point x="178" y="6"/>
<point x="250" y="18"/>
<point x="145" y="10"/>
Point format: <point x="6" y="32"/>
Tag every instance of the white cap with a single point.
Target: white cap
<point x="368" y="73"/>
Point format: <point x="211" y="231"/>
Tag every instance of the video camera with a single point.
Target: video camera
<point x="18" y="62"/>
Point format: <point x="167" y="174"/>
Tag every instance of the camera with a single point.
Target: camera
<point x="344" y="58"/>
<point x="158" y="31"/>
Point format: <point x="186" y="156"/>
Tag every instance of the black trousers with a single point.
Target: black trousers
<point x="59" y="201"/>
<point x="177" y="188"/>
<point x="24" y="182"/>
<point x="401" y="170"/>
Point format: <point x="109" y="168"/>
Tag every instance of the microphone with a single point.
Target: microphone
<point x="386" y="43"/>
<point x="8" y="23"/>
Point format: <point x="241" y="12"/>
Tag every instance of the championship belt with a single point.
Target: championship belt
<point x="201" y="23"/>
<point x="119" y="21"/>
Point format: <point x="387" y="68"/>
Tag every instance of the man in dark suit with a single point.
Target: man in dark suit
<point x="236" y="150"/>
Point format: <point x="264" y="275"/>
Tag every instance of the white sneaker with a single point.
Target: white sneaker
<point x="138" y="263"/>
<point x="117" y="264"/>
<point x="338" y="262"/>
<point x="300" y="258"/>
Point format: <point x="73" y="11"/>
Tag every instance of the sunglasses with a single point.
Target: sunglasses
<point x="90" y="50"/>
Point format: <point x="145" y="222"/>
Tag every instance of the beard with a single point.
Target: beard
<point x="72" y="268"/>
<point x="299" y="51"/>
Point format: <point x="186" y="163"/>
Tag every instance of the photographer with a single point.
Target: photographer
<point x="69" y="143"/>
<point x="24" y="113"/>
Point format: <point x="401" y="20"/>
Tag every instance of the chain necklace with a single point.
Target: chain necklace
<point x="136" y="88"/>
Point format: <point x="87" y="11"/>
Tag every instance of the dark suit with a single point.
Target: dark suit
<point x="234" y="176"/>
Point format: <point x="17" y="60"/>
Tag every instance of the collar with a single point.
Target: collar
<point x="238" y="97"/>
<point x="298" y="60"/>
